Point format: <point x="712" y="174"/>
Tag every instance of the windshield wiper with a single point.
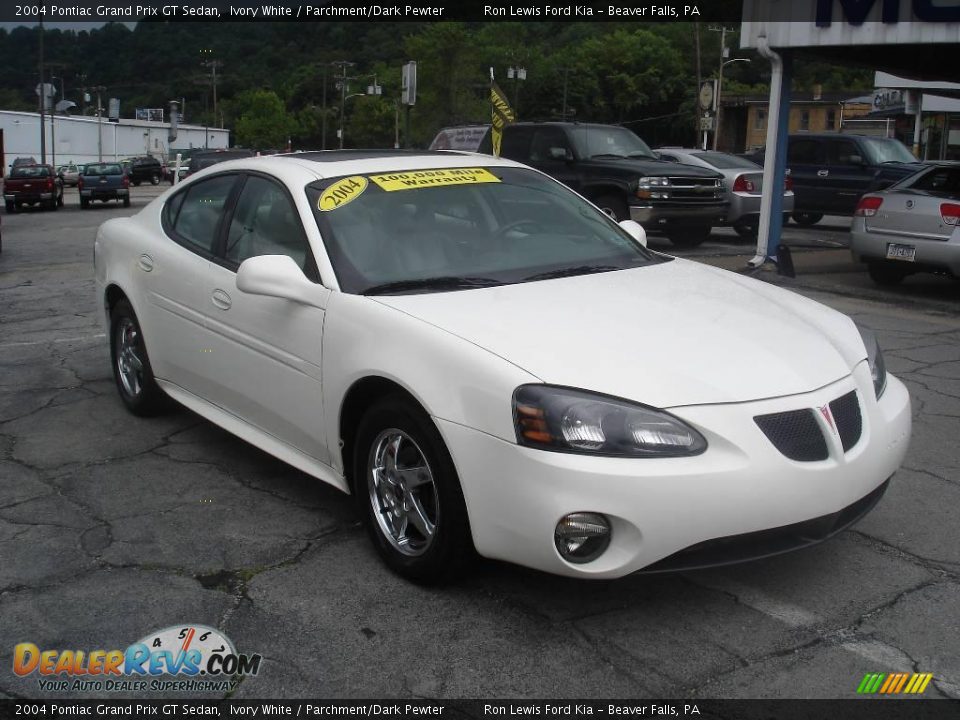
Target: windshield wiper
<point x="608" y="155"/>
<point x="445" y="282"/>
<point x="570" y="271"/>
<point x="641" y="154"/>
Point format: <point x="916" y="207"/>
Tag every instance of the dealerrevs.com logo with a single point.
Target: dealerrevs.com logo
<point x="181" y="658"/>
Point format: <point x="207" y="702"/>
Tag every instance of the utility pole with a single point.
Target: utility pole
<point x="323" y="117"/>
<point x="563" y="113"/>
<point x="213" y="65"/>
<point x="342" y="65"/>
<point x="43" y="103"/>
<point x="696" y="104"/>
<point x="99" y="89"/>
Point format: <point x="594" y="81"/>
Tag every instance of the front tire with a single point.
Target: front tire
<point x="154" y="179"/>
<point x="688" y="236"/>
<point x="409" y="495"/>
<point x="84" y="203"/>
<point x="11" y="208"/>
<point x="131" y="364"/>
<point x="126" y="201"/>
<point x="613" y="206"/>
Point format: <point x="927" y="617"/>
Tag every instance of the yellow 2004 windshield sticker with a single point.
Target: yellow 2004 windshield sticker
<point x="414" y="179"/>
<point x="342" y="192"/>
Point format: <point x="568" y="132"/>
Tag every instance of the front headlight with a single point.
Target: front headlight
<point x="566" y="420"/>
<point x="878" y="368"/>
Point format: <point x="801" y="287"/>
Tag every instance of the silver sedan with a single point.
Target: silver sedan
<point x="742" y="179"/>
<point x="911" y="226"/>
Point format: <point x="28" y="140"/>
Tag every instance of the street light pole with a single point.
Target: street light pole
<point x="43" y="104"/>
<point x="716" y="130"/>
<point x="723" y="30"/>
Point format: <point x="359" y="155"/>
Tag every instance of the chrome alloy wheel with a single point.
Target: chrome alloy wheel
<point x="129" y="364"/>
<point x="402" y="492"/>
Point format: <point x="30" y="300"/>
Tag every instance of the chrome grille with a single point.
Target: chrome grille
<point x="694" y="188"/>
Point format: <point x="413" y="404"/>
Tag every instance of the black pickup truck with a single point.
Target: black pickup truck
<point x="619" y="173"/>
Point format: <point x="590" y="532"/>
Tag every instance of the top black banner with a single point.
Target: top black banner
<point x="100" y="11"/>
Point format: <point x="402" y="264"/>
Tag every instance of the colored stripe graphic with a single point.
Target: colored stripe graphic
<point x="894" y="683"/>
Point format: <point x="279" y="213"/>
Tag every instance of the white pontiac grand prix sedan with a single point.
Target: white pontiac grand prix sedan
<point x="490" y="364"/>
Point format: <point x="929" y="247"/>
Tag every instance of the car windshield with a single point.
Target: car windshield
<point x="28" y="171"/>
<point x="456" y="228"/>
<point x="111" y="169"/>
<point x="887" y="150"/>
<point x="606" y="141"/>
<point x="725" y="161"/>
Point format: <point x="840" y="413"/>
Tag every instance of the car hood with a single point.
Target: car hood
<point x="668" y="335"/>
<point x="649" y="168"/>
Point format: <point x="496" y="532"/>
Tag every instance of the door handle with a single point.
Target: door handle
<point x="822" y="173"/>
<point x="221" y="299"/>
<point x="145" y="263"/>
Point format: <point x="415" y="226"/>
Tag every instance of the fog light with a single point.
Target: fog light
<point x="582" y="536"/>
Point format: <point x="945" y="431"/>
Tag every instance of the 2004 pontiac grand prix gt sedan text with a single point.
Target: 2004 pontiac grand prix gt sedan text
<point x="491" y="364"/>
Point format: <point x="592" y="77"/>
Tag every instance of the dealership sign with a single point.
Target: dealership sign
<point x="814" y="23"/>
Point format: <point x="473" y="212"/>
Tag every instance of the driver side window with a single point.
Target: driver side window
<point x="266" y="222"/>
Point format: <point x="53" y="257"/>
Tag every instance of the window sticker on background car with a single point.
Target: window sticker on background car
<point x="342" y="192"/>
<point x="431" y="178"/>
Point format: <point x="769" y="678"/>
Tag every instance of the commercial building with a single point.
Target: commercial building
<point x="87" y="139"/>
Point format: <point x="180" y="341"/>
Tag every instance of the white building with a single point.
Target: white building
<point x="84" y="139"/>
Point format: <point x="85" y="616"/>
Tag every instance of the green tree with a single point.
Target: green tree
<point x="263" y="120"/>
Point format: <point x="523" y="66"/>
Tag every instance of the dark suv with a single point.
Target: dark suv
<point x="145" y="169"/>
<point x="619" y="173"/>
<point x="830" y="171"/>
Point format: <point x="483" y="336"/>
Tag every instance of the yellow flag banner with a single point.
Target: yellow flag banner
<point x="502" y="115"/>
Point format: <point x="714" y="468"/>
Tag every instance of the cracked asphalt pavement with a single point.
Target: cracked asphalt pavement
<point x="113" y="526"/>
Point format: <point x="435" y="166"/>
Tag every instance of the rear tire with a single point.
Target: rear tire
<point x="688" y="236"/>
<point x="408" y="493"/>
<point x="745" y="231"/>
<point x="126" y="201"/>
<point x="136" y="183"/>
<point x="11" y="208"/>
<point x="132" y="371"/>
<point x="885" y="273"/>
<point x="154" y="179"/>
<point x="84" y="203"/>
<point x="806" y="219"/>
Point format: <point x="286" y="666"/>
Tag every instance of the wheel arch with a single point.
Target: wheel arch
<point x="361" y="396"/>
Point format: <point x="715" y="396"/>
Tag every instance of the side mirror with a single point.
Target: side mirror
<point x="635" y="230"/>
<point x="278" y="276"/>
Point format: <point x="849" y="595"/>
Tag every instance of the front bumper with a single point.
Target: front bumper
<point x="659" y="507"/>
<point x="650" y="214"/>
<point x="931" y="254"/>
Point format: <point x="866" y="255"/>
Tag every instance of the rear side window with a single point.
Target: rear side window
<point x="516" y="143"/>
<point x="201" y="210"/>
<point x="843" y="152"/>
<point x="940" y="181"/>
<point x="806" y="152"/>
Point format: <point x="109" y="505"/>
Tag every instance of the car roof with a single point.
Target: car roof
<point x="307" y="167"/>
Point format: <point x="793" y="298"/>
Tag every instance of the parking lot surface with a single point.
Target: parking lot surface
<point x="112" y="527"/>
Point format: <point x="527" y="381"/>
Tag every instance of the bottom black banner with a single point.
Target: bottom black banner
<point x="858" y="709"/>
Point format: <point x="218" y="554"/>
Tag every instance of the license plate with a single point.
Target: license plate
<point x="907" y="253"/>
